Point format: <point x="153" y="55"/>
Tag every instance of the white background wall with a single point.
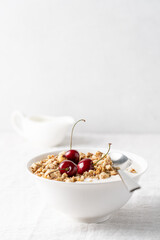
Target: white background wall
<point x="95" y="59"/>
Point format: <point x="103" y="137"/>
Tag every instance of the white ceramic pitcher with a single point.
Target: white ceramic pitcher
<point x="42" y="130"/>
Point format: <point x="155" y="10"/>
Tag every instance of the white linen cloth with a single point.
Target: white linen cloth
<point x="22" y="217"/>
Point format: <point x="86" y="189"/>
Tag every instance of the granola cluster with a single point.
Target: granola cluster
<point x="49" y="168"/>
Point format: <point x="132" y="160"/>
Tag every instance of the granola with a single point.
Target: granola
<point x="49" y="168"/>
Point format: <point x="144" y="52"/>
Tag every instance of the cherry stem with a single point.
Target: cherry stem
<point x="73" y="130"/>
<point x="66" y="169"/>
<point x="109" y="144"/>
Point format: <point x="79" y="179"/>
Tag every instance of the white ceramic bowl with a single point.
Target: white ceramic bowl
<point x="87" y="201"/>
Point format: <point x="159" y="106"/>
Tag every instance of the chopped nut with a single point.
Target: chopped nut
<point x="103" y="175"/>
<point x="34" y="167"/>
<point x="94" y="157"/>
<point x="132" y="170"/>
<point x="88" y="155"/>
<point x="113" y="172"/>
<point x="98" y="154"/>
<point x="61" y="157"/>
<point x="51" y="166"/>
<point x="50" y="156"/>
<point x="64" y="175"/>
<point x="49" y="171"/>
<point x="81" y="155"/>
<point x="98" y="170"/>
<point x="82" y="178"/>
<point x="108" y="167"/>
<point x="53" y="175"/>
<point x="67" y="180"/>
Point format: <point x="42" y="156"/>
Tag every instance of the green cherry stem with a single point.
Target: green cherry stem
<point x="66" y="169"/>
<point x="73" y="130"/>
<point x="109" y="144"/>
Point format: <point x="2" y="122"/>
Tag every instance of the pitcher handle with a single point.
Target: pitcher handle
<point x="17" y="122"/>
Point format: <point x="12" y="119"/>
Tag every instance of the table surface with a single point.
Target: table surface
<point x="22" y="217"/>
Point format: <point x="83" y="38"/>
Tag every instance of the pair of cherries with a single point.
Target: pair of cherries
<point x="69" y="166"/>
<point x="72" y="166"/>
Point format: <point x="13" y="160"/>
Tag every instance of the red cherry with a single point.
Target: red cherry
<point x="85" y="165"/>
<point x="68" y="167"/>
<point x="72" y="155"/>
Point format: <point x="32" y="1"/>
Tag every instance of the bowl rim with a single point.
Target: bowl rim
<point x="85" y="149"/>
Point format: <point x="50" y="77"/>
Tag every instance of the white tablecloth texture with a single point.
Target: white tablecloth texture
<point x="23" y="217"/>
